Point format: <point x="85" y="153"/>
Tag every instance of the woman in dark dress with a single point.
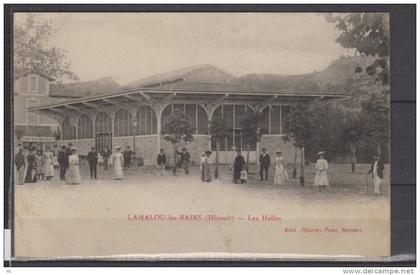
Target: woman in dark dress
<point x="31" y="171"/>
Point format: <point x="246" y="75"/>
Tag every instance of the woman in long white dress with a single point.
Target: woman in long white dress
<point x="49" y="173"/>
<point x="321" y="167"/>
<point x="117" y="161"/>
<point x="73" y="174"/>
<point x="280" y="172"/>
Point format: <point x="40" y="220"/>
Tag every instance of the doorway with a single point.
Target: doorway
<point x="102" y="140"/>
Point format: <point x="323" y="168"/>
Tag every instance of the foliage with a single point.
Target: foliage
<point x="300" y="125"/>
<point x="374" y="118"/>
<point x="32" y="52"/>
<point x="220" y="129"/>
<point x="178" y="128"/>
<point x="368" y="33"/>
<point x="251" y="127"/>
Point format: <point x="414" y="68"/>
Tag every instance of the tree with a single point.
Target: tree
<point x="350" y="135"/>
<point x="219" y="131"/>
<point x="374" y="118"/>
<point x="368" y="33"/>
<point x="178" y="129"/>
<point x="301" y="129"/>
<point x="251" y="130"/>
<point x="32" y="52"/>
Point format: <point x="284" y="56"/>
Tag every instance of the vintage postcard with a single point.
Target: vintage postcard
<point x="202" y="136"/>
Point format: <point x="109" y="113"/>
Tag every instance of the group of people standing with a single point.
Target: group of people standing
<point x="36" y="166"/>
<point x="240" y="169"/>
<point x="39" y="165"/>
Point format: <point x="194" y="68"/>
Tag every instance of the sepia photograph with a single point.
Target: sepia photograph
<point x="201" y="136"/>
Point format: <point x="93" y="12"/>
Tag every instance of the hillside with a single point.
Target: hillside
<point x="100" y="86"/>
<point x="338" y="77"/>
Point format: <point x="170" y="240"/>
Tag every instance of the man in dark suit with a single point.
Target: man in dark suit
<point x="238" y="164"/>
<point x="161" y="161"/>
<point x="128" y="155"/>
<point x="377" y="171"/>
<point x="265" y="163"/>
<point x="106" y="153"/>
<point x="63" y="161"/>
<point x="185" y="160"/>
<point x="92" y="158"/>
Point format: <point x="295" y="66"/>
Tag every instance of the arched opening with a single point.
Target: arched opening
<point x="122" y="123"/>
<point x="103" y="131"/>
<point x="69" y="129"/>
<point x="195" y="111"/>
<point x="146" y="121"/>
<point x="233" y="115"/>
<point x="274" y="119"/>
<point x="84" y="127"/>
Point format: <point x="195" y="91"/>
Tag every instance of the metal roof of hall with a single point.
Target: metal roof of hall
<point x="205" y="80"/>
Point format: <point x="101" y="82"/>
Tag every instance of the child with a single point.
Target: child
<point x="244" y="174"/>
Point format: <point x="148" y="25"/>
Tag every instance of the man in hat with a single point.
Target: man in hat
<point x="31" y="171"/>
<point x="69" y="150"/>
<point x="106" y="153"/>
<point x="92" y="158"/>
<point x="63" y="161"/>
<point x="128" y="154"/>
<point x="377" y="170"/>
<point x="265" y="163"/>
<point x="20" y="166"/>
<point x="161" y="161"/>
<point x="238" y="164"/>
<point x="185" y="160"/>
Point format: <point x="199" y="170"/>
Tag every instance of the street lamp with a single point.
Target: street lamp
<point x="134" y="123"/>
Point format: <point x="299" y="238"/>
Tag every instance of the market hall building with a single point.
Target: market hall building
<point x="134" y="115"/>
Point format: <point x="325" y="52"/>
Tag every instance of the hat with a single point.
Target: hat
<point x="93" y="148"/>
<point x="70" y="144"/>
<point x="208" y="152"/>
<point x="238" y="150"/>
<point x="376" y="157"/>
<point x="278" y="151"/>
<point x="63" y="147"/>
<point x="117" y="147"/>
<point x="263" y="149"/>
<point x="161" y="150"/>
<point x="321" y="153"/>
<point x="184" y="149"/>
<point x="74" y="149"/>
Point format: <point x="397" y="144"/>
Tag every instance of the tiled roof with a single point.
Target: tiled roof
<point x="33" y="72"/>
<point x="172" y="76"/>
<point x="84" y="89"/>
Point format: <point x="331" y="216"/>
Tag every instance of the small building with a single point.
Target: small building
<point x="32" y="89"/>
<point x="134" y="115"/>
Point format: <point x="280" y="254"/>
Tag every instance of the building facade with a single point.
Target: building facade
<point x="32" y="89"/>
<point x="136" y="115"/>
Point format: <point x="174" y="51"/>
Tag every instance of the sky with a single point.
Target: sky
<point x="130" y="46"/>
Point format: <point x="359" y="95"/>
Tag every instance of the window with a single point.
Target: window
<point x="195" y="111"/>
<point x="84" y="127"/>
<point x="32" y="117"/>
<point x="233" y="115"/>
<point x="33" y="83"/>
<point x="122" y="124"/>
<point x="274" y="118"/>
<point x="103" y="123"/>
<point x="146" y="120"/>
<point x="69" y="129"/>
